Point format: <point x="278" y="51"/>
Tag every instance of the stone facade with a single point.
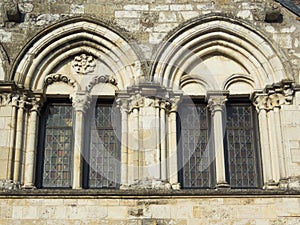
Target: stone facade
<point x="149" y="56"/>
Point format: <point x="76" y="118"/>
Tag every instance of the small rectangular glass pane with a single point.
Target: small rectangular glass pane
<point x="58" y="146"/>
<point x="195" y="158"/>
<point x="242" y="145"/>
<point x="105" y="153"/>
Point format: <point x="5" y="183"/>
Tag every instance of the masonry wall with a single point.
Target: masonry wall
<point x="158" y="210"/>
<point x="147" y="21"/>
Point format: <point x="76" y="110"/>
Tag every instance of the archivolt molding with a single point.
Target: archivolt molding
<point x="235" y="78"/>
<point x="83" y="36"/>
<point x="212" y="35"/>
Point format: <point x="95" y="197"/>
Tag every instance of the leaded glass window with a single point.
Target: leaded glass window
<point x="105" y="153"/>
<point x="195" y="159"/>
<point x="243" y="157"/>
<point x="58" y="145"/>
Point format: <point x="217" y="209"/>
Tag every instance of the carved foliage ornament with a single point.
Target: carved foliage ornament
<point x="59" y="78"/>
<point x="102" y="79"/>
<point x="84" y="64"/>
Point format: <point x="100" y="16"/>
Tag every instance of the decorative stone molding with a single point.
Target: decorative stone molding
<point x="51" y="78"/>
<point x="216" y="101"/>
<point x="274" y="96"/>
<point x="81" y="101"/>
<point x="9" y="185"/>
<point x="101" y="79"/>
<point x="5" y="98"/>
<point x="84" y="64"/>
<point x="148" y="184"/>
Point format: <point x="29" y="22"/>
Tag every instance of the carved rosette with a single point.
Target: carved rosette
<point x="84" y="64"/>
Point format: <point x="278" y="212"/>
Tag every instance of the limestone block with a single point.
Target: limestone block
<point x="129" y="23"/>
<point x="5" y="36"/>
<point x="45" y="19"/>
<point x="96" y="212"/>
<point x="181" y="7"/>
<point x="127" y="14"/>
<point x="245" y="14"/>
<point x="159" y="7"/>
<point x="206" y="6"/>
<point x="136" y="7"/>
<point x="284" y="40"/>
<point x="288" y="207"/>
<point x="164" y="27"/>
<point x="117" y="212"/>
<point x="189" y="15"/>
<point x="167" y="17"/>
<point x="25" y="7"/>
<point x="4" y="134"/>
<point x="295" y="155"/>
<point x="160" y="211"/>
<point x="77" y="8"/>
<point x="155" y="38"/>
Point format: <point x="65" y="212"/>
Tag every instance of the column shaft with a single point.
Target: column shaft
<point x="19" y="142"/>
<point x="31" y="150"/>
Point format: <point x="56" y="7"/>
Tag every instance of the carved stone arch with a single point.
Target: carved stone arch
<point x="106" y="44"/>
<point x="202" y="46"/>
<point x="240" y="83"/>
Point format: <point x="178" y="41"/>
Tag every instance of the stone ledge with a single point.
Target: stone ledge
<point x="136" y="194"/>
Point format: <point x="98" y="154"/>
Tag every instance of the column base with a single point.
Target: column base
<point x="29" y="186"/>
<point x="271" y="185"/>
<point x="222" y="186"/>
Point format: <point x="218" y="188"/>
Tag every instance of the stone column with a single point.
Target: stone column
<point x="261" y="108"/>
<point x="10" y="169"/>
<point x="216" y="103"/>
<point x="163" y="149"/>
<point x="276" y="131"/>
<point x="172" y="140"/>
<point x="80" y="105"/>
<point x="123" y="106"/>
<point x="30" y="157"/>
<point x="156" y="142"/>
<point x="19" y="140"/>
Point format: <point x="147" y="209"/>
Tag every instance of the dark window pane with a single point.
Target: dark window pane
<point x="195" y="159"/>
<point x="242" y="146"/>
<point x="58" y="146"/>
<point x="105" y="153"/>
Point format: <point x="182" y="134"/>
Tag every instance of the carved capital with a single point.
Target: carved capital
<point x="260" y="102"/>
<point x="173" y="104"/>
<point x="5" y="98"/>
<point x="217" y="103"/>
<point x="122" y="104"/>
<point x="81" y="102"/>
<point x="136" y="101"/>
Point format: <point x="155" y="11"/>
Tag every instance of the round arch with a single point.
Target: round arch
<point x="212" y="50"/>
<point x="57" y="45"/>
